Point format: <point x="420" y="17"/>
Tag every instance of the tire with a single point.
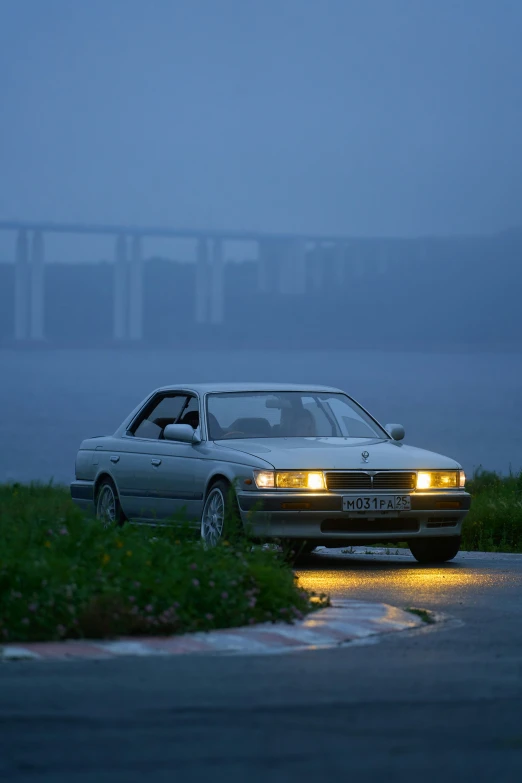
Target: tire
<point x="295" y="548"/>
<point x="434" y="550"/>
<point x="108" y="508"/>
<point x="220" y="517"/>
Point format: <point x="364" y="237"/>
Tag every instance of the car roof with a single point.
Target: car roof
<point x="207" y="388"/>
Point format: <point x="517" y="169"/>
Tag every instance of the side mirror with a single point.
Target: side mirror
<point x="182" y="433"/>
<point x="396" y="431"/>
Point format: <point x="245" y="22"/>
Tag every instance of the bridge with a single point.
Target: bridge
<point x="280" y="264"/>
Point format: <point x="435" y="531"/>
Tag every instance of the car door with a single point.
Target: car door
<point x="165" y="471"/>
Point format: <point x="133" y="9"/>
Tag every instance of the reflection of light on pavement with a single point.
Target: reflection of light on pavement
<point x="399" y="583"/>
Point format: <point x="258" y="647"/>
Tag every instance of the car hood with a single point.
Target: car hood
<point x="339" y="454"/>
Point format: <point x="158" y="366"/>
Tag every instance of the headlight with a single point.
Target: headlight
<point x="438" y="479"/>
<point x="289" y="479"/>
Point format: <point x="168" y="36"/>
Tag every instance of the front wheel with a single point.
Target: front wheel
<point x="294" y="549"/>
<point x="434" y="550"/>
<point x="220" y="515"/>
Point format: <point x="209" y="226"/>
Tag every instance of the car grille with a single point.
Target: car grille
<point x="360" y="480"/>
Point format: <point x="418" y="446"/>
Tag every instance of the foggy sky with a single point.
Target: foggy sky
<point x="369" y="117"/>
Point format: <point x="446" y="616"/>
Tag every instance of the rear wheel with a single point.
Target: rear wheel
<point x="434" y="550"/>
<point x="108" y="509"/>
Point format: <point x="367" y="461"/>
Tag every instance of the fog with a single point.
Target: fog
<point x="375" y="118"/>
<point x="395" y="125"/>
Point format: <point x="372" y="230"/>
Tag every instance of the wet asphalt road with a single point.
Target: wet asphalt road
<point x="443" y="703"/>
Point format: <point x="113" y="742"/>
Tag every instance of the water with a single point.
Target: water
<point x="468" y="406"/>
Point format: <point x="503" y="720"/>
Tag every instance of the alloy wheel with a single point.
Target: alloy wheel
<point x="213" y="517"/>
<point x="106" y="506"/>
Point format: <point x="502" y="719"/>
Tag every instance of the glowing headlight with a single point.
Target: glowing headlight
<point x="290" y="479"/>
<point x="438" y="479"/>
<point x="264" y="479"/>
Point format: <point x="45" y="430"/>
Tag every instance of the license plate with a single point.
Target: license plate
<point x="370" y="503"/>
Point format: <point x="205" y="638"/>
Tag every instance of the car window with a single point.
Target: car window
<point x="321" y="420"/>
<point x="350" y="421"/>
<point x="190" y="413"/>
<point x="159" y="413"/>
<point x="284" y="414"/>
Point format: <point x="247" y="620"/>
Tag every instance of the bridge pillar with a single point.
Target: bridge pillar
<point x="292" y="272"/>
<point x="121" y="287"/>
<point x="202" y="279"/>
<point x="21" y="315"/>
<point x="383" y="259"/>
<point x="135" y="323"/>
<point x="264" y="266"/>
<point x="216" y="285"/>
<point x="317" y="267"/>
<point x="37" y="287"/>
<point x="339" y="255"/>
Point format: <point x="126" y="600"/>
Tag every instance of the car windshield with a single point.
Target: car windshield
<point x="234" y="415"/>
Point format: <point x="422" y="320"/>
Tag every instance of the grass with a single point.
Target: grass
<point x="426" y="616"/>
<point x="62" y="575"/>
<point x="494" y="523"/>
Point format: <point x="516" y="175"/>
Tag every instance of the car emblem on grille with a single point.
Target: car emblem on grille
<point x="365" y="455"/>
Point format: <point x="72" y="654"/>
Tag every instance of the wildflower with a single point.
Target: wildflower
<point x="195" y="582"/>
<point x="105" y="558"/>
<point x="149" y="608"/>
<point x="252" y="602"/>
<point x="193" y="566"/>
<point x="177" y="541"/>
<point x="209" y="616"/>
<point x="224" y="595"/>
<point x="211" y="583"/>
<point x="226" y="543"/>
<point x="131" y="599"/>
<point x="137" y="584"/>
<point x="25" y="621"/>
<point x="32" y="607"/>
<point x="119" y="543"/>
<point x="64" y="531"/>
<point x="128" y="553"/>
<point x="47" y="544"/>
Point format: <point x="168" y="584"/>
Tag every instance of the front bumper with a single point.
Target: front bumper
<point x="320" y="517"/>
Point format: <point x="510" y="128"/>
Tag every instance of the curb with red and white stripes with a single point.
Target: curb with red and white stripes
<point x="346" y="621"/>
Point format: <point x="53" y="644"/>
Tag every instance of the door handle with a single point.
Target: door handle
<point x="115" y="458"/>
<point x="156" y="462"/>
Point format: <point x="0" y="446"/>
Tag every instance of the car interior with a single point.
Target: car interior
<point x="181" y="410"/>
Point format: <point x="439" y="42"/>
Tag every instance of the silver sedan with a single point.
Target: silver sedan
<point x="302" y="464"/>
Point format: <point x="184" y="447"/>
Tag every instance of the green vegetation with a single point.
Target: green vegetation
<point x="425" y="615"/>
<point x="494" y="523"/>
<point x="62" y="575"/>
